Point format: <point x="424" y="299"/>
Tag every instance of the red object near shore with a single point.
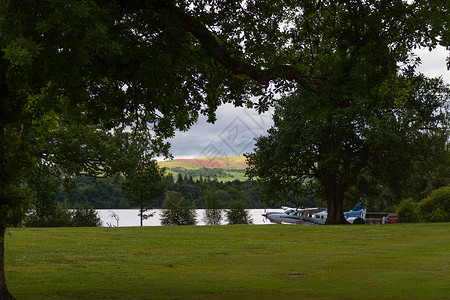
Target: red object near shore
<point x="393" y="218"/>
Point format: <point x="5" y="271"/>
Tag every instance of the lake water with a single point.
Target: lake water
<point x="129" y="217"/>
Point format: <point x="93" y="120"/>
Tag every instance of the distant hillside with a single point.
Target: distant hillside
<point x="225" y="162"/>
<point x="225" y="168"/>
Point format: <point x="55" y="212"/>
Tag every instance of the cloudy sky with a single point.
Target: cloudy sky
<point x="235" y="129"/>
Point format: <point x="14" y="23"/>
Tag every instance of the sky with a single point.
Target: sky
<point x="236" y="127"/>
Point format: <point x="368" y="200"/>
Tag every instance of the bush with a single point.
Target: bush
<point x="85" y="216"/>
<point x="213" y="211"/>
<point x="60" y="216"/>
<point x="436" y="207"/>
<point x="238" y="214"/>
<point x="407" y="211"/>
<point x="178" y="210"/>
<point x="54" y="215"/>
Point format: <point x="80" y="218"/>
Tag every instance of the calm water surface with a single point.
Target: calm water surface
<point x="129" y="217"/>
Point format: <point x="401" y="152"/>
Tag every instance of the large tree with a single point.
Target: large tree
<point x="143" y="183"/>
<point x="386" y="136"/>
<point x="73" y="74"/>
<point x="162" y="62"/>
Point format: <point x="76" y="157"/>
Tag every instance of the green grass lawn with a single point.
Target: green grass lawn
<point x="230" y="262"/>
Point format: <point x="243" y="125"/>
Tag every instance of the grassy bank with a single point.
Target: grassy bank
<point x="230" y="262"/>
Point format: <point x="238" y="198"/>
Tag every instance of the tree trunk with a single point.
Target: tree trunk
<point x="334" y="194"/>
<point x="4" y="293"/>
<point x="335" y="210"/>
<point x="142" y="209"/>
<point x="142" y="215"/>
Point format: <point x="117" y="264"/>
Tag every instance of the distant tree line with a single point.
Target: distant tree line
<point x="100" y="193"/>
<point x="107" y="193"/>
<point x="206" y="172"/>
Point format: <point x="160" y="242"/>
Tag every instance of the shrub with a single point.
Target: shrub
<point x="213" y="211"/>
<point x="85" y="216"/>
<point x="51" y="215"/>
<point x="238" y="214"/>
<point x="178" y="210"/>
<point x="436" y="207"/>
<point x="407" y="211"/>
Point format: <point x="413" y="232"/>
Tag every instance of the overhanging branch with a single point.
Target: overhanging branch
<point x="209" y="42"/>
<point x="236" y="66"/>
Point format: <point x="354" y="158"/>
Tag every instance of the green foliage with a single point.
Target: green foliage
<point x="178" y="210"/>
<point x="102" y="193"/>
<point x="238" y="213"/>
<point x="15" y="201"/>
<point x="85" y="216"/>
<point x="227" y="191"/>
<point x="58" y="215"/>
<point x="15" y="162"/>
<point x="22" y="51"/>
<point x="107" y="193"/>
<point x="408" y="212"/>
<point x="371" y="140"/>
<point x="213" y="208"/>
<point x="436" y="207"/>
<point x="111" y="65"/>
<point x="144" y="182"/>
<point x="440" y="177"/>
<point x="55" y="215"/>
<point x="45" y="211"/>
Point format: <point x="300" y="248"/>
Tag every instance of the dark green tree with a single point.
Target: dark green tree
<point x="169" y="178"/>
<point x="102" y="193"/>
<point x="85" y="216"/>
<point x="56" y="215"/>
<point x="213" y="208"/>
<point x="238" y="213"/>
<point x="387" y="135"/>
<point x="178" y="210"/>
<point x="439" y="178"/>
<point x="180" y="178"/>
<point x="143" y="183"/>
<point x="407" y="211"/>
<point x="436" y="207"/>
<point x="45" y="211"/>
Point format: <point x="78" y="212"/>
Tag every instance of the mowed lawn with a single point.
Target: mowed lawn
<point x="402" y="261"/>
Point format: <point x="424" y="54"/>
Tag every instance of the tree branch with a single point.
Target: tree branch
<point x="209" y="42"/>
<point x="236" y="66"/>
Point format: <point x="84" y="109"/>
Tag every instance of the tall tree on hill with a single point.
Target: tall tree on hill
<point x="155" y="65"/>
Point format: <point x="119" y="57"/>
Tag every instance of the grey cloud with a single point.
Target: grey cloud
<point x="233" y="133"/>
